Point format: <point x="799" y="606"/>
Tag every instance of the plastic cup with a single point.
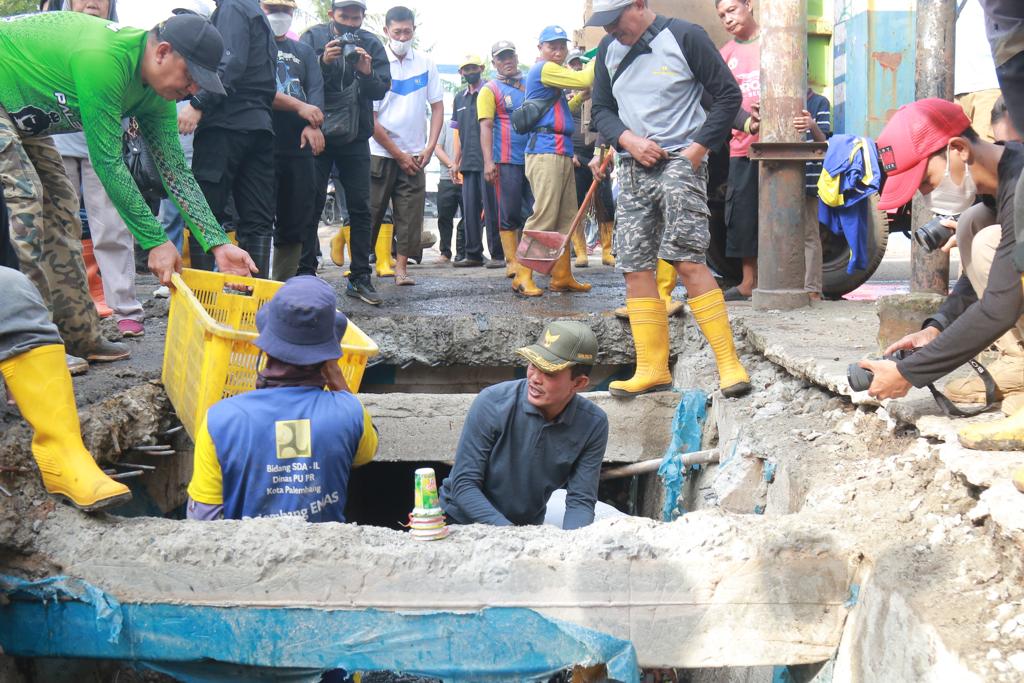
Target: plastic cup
<point x="426" y="489"/>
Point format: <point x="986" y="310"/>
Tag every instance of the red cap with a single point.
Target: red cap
<point x="914" y="133"/>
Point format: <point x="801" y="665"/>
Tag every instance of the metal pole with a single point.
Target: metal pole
<point x="933" y="77"/>
<point x="780" y="262"/>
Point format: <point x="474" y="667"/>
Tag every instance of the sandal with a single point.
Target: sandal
<point x="734" y="294"/>
<point x="404" y="280"/>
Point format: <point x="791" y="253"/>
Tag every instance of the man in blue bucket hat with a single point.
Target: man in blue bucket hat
<point x="288" y="447"/>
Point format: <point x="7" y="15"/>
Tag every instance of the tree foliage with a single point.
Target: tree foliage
<point x="9" y="7"/>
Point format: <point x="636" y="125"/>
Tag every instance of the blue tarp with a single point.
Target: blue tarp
<point x="62" y="617"/>
<point x="687" y="428"/>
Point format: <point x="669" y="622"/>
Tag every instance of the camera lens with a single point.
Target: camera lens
<point x="932" y="234"/>
<point x="858" y="377"/>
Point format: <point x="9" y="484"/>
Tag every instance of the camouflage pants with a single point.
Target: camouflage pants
<point x="662" y="213"/>
<point x="47" y="232"/>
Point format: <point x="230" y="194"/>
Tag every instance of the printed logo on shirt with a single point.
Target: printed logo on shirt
<point x="33" y="120"/>
<point x="733" y="63"/>
<point x="294" y="439"/>
<point x="664" y="70"/>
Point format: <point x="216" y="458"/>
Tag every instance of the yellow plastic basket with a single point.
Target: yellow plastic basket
<point x="209" y="354"/>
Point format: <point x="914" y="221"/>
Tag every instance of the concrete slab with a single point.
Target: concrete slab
<point x="708" y="590"/>
<point x="426" y="427"/>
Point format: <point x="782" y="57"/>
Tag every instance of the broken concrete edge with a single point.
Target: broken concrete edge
<point x="685" y="593"/>
<point x="886" y="640"/>
<point x="492" y="340"/>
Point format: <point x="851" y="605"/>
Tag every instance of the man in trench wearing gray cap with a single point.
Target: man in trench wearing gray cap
<point x="531" y="449"/>
<point x="287" y="448"/>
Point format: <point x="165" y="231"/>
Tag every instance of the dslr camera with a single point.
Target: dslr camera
<point x="349" y="42"/>
<point x="933" y="234"/>
<point x="860" y="378"/>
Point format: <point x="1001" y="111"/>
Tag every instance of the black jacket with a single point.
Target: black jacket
<point x="336" y="76"/>
<point x="247" y="70"/>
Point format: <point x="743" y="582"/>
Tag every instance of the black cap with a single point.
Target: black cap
<point x="199" y="43"/>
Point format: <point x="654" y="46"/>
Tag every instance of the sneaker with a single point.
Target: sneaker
<point x="444" y="258"/>
<point x="363" y="290"/>
<point x="108" y="352"/>
<point x="493" y="263"/>
<point x="162" y="292"/>
<point x="468" y="263"/>
<point x="130" y="328"/>
<point x="76" y="365"/>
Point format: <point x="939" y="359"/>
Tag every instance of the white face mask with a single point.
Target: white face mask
<point x="280" y="22"/>
<point x="948" y="198"/>
<point x="399" y="47"/>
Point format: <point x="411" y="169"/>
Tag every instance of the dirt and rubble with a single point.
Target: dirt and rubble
<point x="927" y="531"/>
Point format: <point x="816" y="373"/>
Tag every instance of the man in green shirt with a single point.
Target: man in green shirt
<point x="66" y="71"/>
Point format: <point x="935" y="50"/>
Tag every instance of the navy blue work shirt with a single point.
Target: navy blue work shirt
<point x="510" y="459"/>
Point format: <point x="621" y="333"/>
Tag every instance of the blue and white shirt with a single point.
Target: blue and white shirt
<point x="403" y="111"/>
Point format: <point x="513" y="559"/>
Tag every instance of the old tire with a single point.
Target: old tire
<point x="836" y="282"/>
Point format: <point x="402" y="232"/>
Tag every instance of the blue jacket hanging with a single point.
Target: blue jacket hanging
<point x="850" y="174"/>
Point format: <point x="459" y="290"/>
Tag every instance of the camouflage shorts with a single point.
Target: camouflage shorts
<point x="662" y="212"/>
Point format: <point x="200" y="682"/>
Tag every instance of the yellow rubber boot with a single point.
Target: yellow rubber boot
<point x="41" y="386"/>
<point x="1002" y="435"/>
<point x="509" y="242"/>
<point x="649" y="323"/>
<point x="710" y="313"/>
<point x="385" y="266"/>
<point x="667" y="277"/>
<point x="562" y="279"/>
<point x="605" y="230"/>
<point x="341" y="241"/>
<point x="579" y="245"/>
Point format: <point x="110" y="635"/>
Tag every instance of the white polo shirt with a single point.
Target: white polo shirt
<point x="403" y="111"/>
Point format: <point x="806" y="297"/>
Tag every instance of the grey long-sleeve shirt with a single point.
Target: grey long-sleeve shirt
<point x="969" y="325"/>
<point x="659" y="95"/>
<point x="510" y="459"/>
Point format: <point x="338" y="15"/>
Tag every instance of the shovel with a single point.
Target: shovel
<point x="540" y="249"/>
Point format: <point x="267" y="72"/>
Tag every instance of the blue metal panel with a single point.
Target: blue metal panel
<point x="874" y="67"/>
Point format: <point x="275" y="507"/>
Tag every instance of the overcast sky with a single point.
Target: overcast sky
<point x="451" y="28"/>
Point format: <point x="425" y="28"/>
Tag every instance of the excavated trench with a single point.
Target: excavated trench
<point x="799" y="523"/>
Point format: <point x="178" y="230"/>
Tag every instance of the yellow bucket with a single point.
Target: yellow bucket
<point x="209" y="353"/>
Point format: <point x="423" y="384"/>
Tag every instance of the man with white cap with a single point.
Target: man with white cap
<point x="662" y="211"/>
<point x="50" y="84"/>
<point x="509" y="200"/>
<point x="287" y="448"/>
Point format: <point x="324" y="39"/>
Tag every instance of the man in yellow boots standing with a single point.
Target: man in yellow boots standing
<point x="662" y="210"/>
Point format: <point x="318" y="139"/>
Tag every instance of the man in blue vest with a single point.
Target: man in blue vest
<point x="549" y="148"/>
<point x="288" y="447"/>
<point x="504" y="153"/>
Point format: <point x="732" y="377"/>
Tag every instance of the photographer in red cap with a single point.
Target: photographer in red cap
<point x="929" y="146"/>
